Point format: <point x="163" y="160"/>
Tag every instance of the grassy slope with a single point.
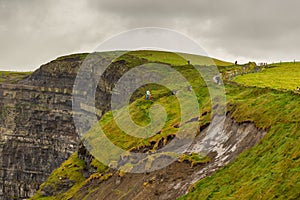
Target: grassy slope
<point x="139" y="111"/>
<point x="278" y="76"/>
<point x="66" y="180"/>
<point x="12" y="77"/>
<point x="268" y="170"/>
<point x="179" y="59"/>
<point x="272" y="168"/>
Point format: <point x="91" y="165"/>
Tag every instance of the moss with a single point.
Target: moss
<point x="194" y="159"/>
<point x="101" y="168"/>
<point x="63" y="181"/>
<point x="99" y="176"/>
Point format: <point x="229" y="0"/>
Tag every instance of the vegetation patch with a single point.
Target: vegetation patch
<point x="194" y="159"/>
<point x="282" y="76"/>
<point x="268" y="170"/>
<point x="63" y="181"/>
<point x="12" y="77"/>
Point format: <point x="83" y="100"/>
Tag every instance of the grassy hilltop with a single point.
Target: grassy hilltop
<point x="267" y="171"/>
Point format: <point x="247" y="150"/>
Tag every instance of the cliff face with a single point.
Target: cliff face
<point x="36" y="135"/>
<point x="37" y="131"/>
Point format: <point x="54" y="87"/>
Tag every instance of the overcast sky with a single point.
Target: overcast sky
<point x="34" y="32"/>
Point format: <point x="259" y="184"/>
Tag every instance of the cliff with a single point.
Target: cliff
<point x="37" y="134"/>
<point x="37" y="130"/>
<point x="39" y="142"/>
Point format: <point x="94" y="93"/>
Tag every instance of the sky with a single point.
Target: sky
<point x="34" y="32"/>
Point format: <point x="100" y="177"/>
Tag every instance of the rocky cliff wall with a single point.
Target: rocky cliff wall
<point x="37" y="131"/>
<point x="36" y="135"/>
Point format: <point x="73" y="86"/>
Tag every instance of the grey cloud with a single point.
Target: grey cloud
<point x="33" y="32"/>
<point x="255" y="29"/>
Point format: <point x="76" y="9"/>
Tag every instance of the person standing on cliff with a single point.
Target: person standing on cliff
<point x="148" y="94"/>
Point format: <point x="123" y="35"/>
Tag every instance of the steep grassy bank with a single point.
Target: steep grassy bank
<point x="268" y="170"/>
<point x="272" y="168"/>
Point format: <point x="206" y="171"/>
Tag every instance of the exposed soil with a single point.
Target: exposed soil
<point x="160" y="184"/>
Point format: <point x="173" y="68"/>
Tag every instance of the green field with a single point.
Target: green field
<point x="279" y="76"/>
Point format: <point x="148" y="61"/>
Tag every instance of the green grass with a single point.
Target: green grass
<point x="80" y="56"/>
<point x="279" y="76"/>
<point x="178" y="59"/>
<point x="270" y="169"/>
<point x="70" y="171"/>
<point x="12" y="77"/>
<point x="140" y="108"/>
<point x="194" y="159"/>
<point x="175" y="59"/>
<point x="203" y="60"/>
<point x="139" y="112"/>
<point x="267" y="171"/>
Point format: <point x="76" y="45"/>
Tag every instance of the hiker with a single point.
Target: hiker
<point x="217" y="79"/>
<point x="189" y="88"/>
<point x="148" y="95"/>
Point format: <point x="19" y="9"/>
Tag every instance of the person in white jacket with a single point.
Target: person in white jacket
<point x="148" y="94"/>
